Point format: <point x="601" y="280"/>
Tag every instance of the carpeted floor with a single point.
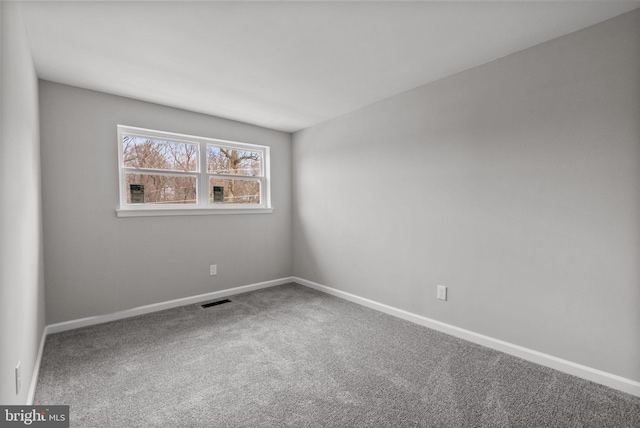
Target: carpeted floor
<point x="292" y="356"/>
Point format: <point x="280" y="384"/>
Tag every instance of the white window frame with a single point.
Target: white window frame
<point x="203" y="206"/>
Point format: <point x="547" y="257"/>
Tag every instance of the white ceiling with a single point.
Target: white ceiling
<point x="285" y="65"/>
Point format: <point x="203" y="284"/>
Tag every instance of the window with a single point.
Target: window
<point x="163" y="173"/>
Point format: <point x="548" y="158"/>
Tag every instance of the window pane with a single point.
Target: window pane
<point x="234" y="191"/>
<point x="222" y="160"/>
<point x="142" y="152"/>
<point x="161" y="189"/>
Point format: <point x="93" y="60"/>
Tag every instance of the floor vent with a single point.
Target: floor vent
<point x="219" y="302"/>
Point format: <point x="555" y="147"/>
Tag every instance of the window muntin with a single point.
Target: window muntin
<point x="166" y="171"/>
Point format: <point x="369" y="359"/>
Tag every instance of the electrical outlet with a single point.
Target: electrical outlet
<point x="442" y="292"/>
<point x="213" y="270"/>
<point x="18" y="377"/>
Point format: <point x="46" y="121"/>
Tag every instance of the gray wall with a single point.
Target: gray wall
<point x="96" y="263"/>
<point x="514" y="183"/>
<point x="21" y="279"/>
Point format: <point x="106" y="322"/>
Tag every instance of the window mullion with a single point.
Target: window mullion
<point x="203" y="181"/>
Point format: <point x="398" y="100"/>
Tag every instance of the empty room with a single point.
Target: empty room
<point x="320" y="214"/>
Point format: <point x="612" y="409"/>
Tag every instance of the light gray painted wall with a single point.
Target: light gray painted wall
<point x="21" y="279"/>
<point x="516" y="184"/>
<point x="96" y="263"/>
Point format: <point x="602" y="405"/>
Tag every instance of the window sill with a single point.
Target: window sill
<point x="159" y="212"/>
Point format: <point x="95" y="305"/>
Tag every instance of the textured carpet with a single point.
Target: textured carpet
<point x="292" y="356"/>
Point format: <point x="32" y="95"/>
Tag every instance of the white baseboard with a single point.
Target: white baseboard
<point x="613" y="381"/>
<point x="141" y="310"/>
<point x="36" y="369"/>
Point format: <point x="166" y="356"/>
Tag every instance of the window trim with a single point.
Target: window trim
<point x="203" y="205"/>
